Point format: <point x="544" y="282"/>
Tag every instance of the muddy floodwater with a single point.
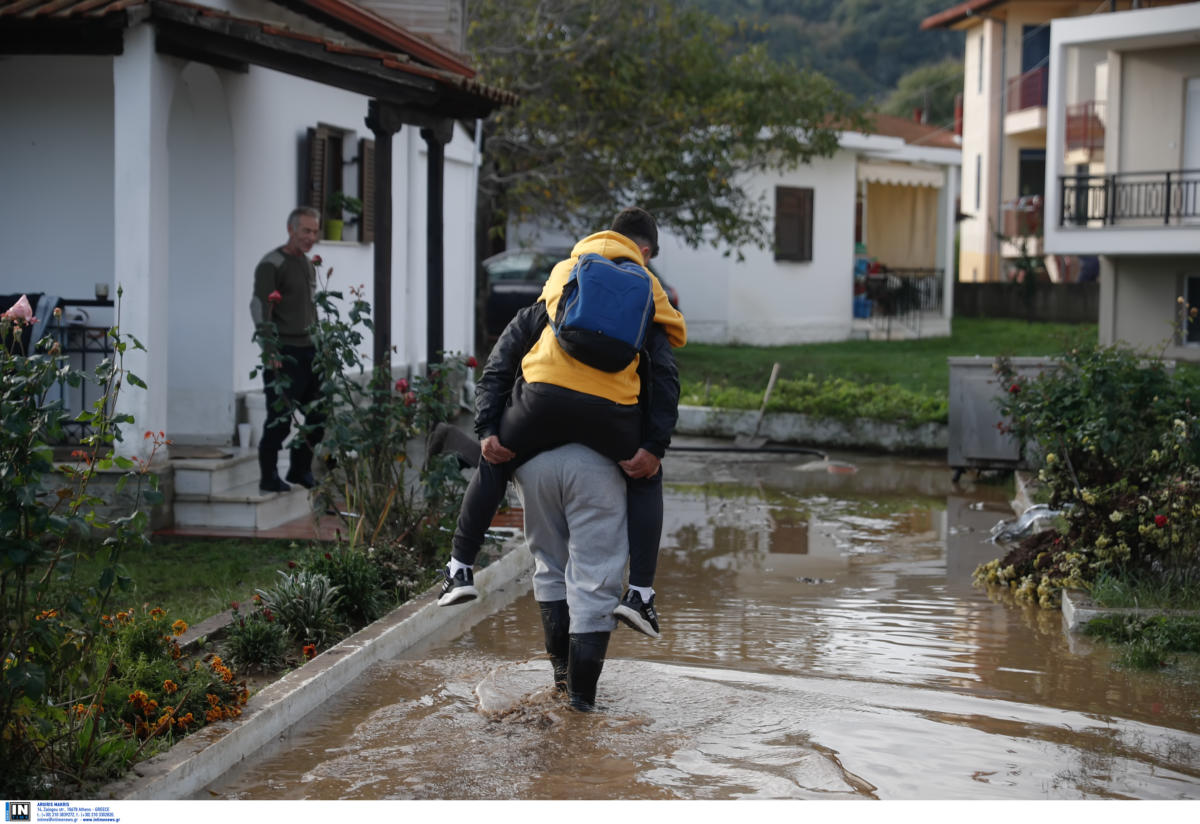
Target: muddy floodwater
<point x="821" y="640"/>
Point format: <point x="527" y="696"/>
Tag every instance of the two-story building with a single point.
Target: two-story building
<point x="1004" y="126"/>
<point x="1123" y="170"/>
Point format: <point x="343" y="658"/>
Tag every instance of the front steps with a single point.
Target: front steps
<point x="222" y="492"/>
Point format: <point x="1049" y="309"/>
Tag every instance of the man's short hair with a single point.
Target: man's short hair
<point x="293" y="222"/>
<point x="638" y="225"/>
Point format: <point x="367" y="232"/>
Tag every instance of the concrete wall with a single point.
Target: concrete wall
<point x="1152" y="95"/>
<point x="1140" y="308"/>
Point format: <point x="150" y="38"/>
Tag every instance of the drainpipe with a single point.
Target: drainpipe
<point x="1000" y="155"/>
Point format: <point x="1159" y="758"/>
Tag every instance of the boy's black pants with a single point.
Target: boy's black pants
<point x="540" y="417"/>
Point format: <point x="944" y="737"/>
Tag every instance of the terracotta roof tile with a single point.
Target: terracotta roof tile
<point x="910" y="131"/>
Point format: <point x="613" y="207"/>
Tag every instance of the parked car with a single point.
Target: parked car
<point x="515" y="279"/>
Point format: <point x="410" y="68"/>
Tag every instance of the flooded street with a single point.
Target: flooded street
<point x="821" y="640"/>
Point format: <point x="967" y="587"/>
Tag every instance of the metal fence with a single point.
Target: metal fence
<point x="903" y="296"/>
<point x="1139" y="198"/>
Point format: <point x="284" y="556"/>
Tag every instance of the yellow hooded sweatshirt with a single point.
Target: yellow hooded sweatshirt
<point x="547" y="362"/>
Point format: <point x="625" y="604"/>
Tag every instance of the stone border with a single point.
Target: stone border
<point x="791" y="427"/>
<point x="203" y="757"/>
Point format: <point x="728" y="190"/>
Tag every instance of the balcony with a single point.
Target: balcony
<point x="1085" y="133"/>
<point x="1027" y="95"/>
<point x="1130" y="199"/>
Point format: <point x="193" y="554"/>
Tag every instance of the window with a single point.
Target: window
<point x="979" y="88"/>
<point x="328" y="170"/>
<point x="793" y="223"/>
<point x="978" y="182"/>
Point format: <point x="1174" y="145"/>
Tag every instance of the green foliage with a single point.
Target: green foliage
<point x="1118" y="443"/>
<point x="599" y="77"/>
<point x="305" y="603"/>
<point x="53" y="630"/>
<point x="255" y="641"/>
<point x="1147" y="642"/>
<point x="340" y="203"/>
<point x="835" y="398"/>
<point x="865" y="46"/>
<point x="931" y="87"/>
<point x="1165" y="590"/>
<point x="358" y="580"/>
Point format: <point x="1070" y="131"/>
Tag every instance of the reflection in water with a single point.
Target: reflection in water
<point x="822" y="640"/>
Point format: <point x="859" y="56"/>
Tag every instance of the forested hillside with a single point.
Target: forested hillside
<point x="864" y="46"/>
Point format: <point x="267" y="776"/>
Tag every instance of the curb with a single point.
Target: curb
<point x="203" y="757"/>
<point x="792" y="427"/>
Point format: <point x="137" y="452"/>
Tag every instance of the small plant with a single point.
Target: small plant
<point x="1147" y="642"/>
<point x="255" y="641"/>
<point x="341" y="203"/>
<point x="306" y="603"/>
<point x="358" y="580"/>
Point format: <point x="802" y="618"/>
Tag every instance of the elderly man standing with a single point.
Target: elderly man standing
<point x="285" y="285"/>
<point x="574" y="500"/>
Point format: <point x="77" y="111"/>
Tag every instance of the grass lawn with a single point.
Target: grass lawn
<point x="917" y="365"/>
<point x="193" y="579"/>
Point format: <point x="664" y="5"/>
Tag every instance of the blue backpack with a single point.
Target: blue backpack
<point x="604" y="312"/>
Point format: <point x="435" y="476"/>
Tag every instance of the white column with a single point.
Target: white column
<point x="949" y="231"/>
<point x="141" y="102"/>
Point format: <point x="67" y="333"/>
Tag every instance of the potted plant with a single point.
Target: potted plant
<point x="340" y="204"/>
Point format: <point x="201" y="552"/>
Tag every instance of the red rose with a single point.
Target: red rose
<point x="1015" y="388"/>
<point x="402" y="386"/>
<point x="328" y="557"/>
<point x="316" y="260"/>
<point x="410" y="398"/>
<point x="1160" y="521"/>
<point x="291" y="564"/>
<point x="275" y="297"/>
<point x="471" y="362"/>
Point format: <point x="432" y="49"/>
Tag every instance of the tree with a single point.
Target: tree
<point x="932" y="88"/>
<point x="639" y="102"/>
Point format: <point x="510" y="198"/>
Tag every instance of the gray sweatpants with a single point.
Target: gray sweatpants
<point x="574" y="502"/>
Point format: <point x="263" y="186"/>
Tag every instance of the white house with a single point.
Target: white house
<point x="891" y="193"/>
<point x="155" y="147"/>
<point x="1130" y="195"/>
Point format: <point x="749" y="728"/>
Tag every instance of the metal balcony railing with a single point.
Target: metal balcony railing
<point x="1166" y="198"/>
<point x="1029" y="90"/>
<point x="1085" y="126"/>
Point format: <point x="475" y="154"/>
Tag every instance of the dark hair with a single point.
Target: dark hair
<point x="638" y="225"/>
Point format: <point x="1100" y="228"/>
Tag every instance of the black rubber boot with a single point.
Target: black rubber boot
<point x="556" y="624"/>
<point x="584" y="663"/>
<point x="269" y="480"/>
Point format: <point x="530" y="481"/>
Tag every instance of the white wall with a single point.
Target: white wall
<point x="765" y="302"/>
<point x="56" y="216"/>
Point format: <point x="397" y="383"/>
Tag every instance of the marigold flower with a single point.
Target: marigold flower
<point x="170" y="687"/>
<point x="213" y="701"/>
<point x="138" y="698"/>
<point x="179" y="627"/>
<point x="1160" y="521"/>
<point x="157" y="612"/>
<point x="310" y="650"/>
<point x="471" y="362"/>
<point x="80" y="710"/>
<point x="275" y="297"/>
<point x="402" y="386"/>
<point x="214" y="714"/>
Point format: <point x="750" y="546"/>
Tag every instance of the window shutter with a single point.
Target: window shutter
<point x="366" y="188"/>
<point x="318" y="151"/>
<point x="793" y="223"/>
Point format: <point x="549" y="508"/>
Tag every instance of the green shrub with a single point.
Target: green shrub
<point x="1147" y="642"/>
<point x="1118" y="442"/>
<point x="255" y="641"/>
<point x="305" y="603"/>
<point x="358" y="580"/>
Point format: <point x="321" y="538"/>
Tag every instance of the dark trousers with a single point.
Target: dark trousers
<point x="540" y="417"/>
<point x="303" y="386"/>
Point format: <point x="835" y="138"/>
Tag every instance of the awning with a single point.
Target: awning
<point x="900" y="174"/>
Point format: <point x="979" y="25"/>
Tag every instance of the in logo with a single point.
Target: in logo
<point x="17" y="811"/>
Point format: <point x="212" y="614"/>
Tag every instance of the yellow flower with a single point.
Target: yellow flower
<point x="179" y="627"/>
<point x="1115" y="517"/>
<point x="1051" y="458"/>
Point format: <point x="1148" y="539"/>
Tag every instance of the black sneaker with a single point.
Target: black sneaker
<point x="638" y="614"/>
<point x="459" y="588"/>
<point x="275" y="484"/>
<point x="305" y="479"/>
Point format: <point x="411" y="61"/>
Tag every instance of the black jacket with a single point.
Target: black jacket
<point x="659" y="397"/>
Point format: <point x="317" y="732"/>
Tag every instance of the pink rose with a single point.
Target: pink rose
<point x="471" y="362"/>
<point x="275" y="297"/>
<point x="402" y="386"/>
<point x="410" y="398"/>
<point x="21" y="310"/>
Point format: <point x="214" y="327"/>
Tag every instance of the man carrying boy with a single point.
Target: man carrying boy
<point x="533" y="396"/>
